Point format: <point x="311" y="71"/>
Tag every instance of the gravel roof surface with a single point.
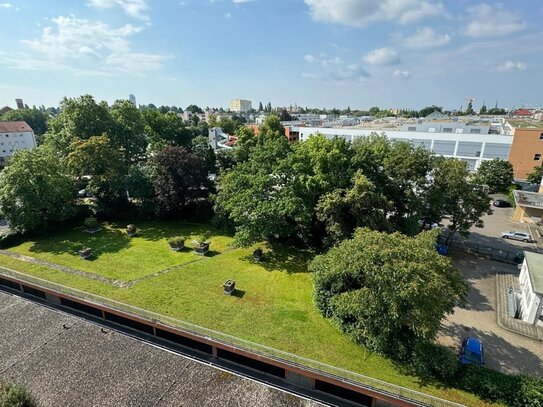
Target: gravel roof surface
<point x="67" y="361"/>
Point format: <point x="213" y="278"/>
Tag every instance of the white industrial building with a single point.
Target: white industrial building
<point x="531" y="285"/>
<point x="240" y="105"/>
<point x="15" y="136"/>
<point x="472" y="144"/>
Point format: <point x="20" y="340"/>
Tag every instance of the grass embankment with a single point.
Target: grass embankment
<point x="273" y="305"/>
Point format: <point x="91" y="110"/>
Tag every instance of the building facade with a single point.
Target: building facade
<point x="526" y="151"/>
<point x="240" y="105"/>
<point x="15" y="136"/>
<point x="531" y="285"/>
<point x="474" y="144"/>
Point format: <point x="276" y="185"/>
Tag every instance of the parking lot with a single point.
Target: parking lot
<point x="505" y="351"/>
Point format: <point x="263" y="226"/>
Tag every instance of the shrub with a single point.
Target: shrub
<point x="13" y="395"/>
<point x="204" y="237"/>
<point x="177" y="242"/>
<point x="431" y="361"/>
<point x="91" y="223"/>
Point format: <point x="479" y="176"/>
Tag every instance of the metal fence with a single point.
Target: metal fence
<point x="506" y="256"/>
<point x="344" y="375"/>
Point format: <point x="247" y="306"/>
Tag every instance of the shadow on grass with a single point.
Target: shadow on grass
<point x="238" y="293"/>
<point x="105" y="241"/>
<point x="279" y="257"/>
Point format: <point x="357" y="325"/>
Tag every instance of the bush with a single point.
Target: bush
<point x="13" y="395"/>
<point x="431" y="361"/>
<point x="177" y="242"/>
<point x="515" y="391"/>
<point x="91" y="223"/>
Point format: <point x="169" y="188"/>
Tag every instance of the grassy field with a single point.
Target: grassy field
<point x="273" y="305"/>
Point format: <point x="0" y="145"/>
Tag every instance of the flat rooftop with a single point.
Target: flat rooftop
<point x="529" y="199"/>
<point x="64" y="360"/>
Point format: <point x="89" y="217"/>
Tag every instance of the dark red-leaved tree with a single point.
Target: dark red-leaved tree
<point x="180" y="178"/>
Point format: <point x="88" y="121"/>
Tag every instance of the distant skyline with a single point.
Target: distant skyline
<point x="316" y="53"/>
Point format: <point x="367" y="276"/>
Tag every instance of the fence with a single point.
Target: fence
<point x="297" y="362"/>
<point x="506" y="256"/>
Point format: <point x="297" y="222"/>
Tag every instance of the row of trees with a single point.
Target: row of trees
<point x="321" y="190"/>
<point x="119" y="156"/>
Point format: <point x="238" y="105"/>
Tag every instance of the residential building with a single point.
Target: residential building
<point x="531" y="285"/>
<point x="526" y="151"/>
<point x="132" y="99"/>
<point x="240" y="105"/>
<point x="15" y="136"/>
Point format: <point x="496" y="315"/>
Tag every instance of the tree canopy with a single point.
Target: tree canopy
<point x="387" y="291"/>
<point x="496" y="174"/>
<point x="35" y="190"/>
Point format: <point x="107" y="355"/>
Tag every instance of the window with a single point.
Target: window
<point x="432" y="130"/>
<point x="447" y="130"/>
<point x="477" y="154"/>
<point x="475" y="131"/>
<point x="415" y="129"/>
<point x="537" y="157"/>
<point x="541" y="136"/>
<point x="459" y="131"/>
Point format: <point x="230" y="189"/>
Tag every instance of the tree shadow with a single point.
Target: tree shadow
<point x="278" y="257"/>
<point x="105" y="241"/>
<point x="500" y="354"/>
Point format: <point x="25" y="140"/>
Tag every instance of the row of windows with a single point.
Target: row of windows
<point x="15" y="135"/>
<point x="447" y="130"/>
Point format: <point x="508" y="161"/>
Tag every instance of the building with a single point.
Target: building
<point x="132" y="99"/>
<point x="240" y="105"/>
<point x="522" y="113"/>
<point x="15" y="136"/>
<point x="20" y="104"/>
<point x="526" y="150"/>
<point x="531" y="286"/>
<point x="472" y="144"/>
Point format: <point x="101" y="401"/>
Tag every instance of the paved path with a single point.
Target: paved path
<point x="503" y="283"/>
<point x="505" y="350"/>
<point x="65" y="269"/>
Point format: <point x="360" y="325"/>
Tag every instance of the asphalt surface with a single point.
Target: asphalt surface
<point x="64" y="360"/>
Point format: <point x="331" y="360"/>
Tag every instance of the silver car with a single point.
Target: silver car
<point x="517" y="235"/>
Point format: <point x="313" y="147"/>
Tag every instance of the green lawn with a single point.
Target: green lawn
<point x="273" y="306"/>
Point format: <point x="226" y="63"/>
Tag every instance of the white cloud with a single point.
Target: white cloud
<point x="510" y="66"/>
<point x="309" y="58"/>
<point x="401" y="74"/>
<point x="241" y="1"/>
<point x="73" y="43"/>
<point x="485" y="20"/>
<point x="134" y="8"/>
<point x="359" y="13"/>
<point x="426" y="37"/>
<point x="6" y="5"/>
<point x="382" y="56"/>
<point x="344" y="74"/>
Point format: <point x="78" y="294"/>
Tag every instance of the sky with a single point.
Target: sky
<point x="317" y="53"/>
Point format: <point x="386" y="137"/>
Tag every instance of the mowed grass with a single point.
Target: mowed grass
<point x="273" y="304"/>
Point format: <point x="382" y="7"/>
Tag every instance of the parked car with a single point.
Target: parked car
<point x="472" y="352"/>
<point x="500" y="203"/>
<point x="517" y="235"/>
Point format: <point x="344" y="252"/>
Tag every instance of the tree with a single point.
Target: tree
<point x="374" y="110"/>
<point x="97" y="158"/>
<point x="200" y="147"/>
<point x="165" y="129"/>
<point x="535" y="176"/>
<point x="285" y="116"/>
<point x="483" y="109"/>
<point x="469" y="109"/>
<point x="35" y="118"/>
<point x="497" y="111"/>
<point x="257" y="195"/>
<point x="260" y="107"/>
<point x="387" y="291"/>
<point x="429" y="109"/>
<point x="496" y="173"/>
<point x="272" y="128"/>
<point x="179" y="177"/>
<point x="35" y="190"/>
<point x="194" y="109"/>
<point x="128" y="132"/>
<point x="79" y="118"/>
<point x="452" y="194"/>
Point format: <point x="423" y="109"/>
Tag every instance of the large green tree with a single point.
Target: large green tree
<point x="387" y="291"/>
<point x="165" y="129"/>
<point x="180" y="177"/>
<point x="496" y="173"/>
<point x="128" y="131"/>
<point x="535" y="176"/>
<point x="35" y="190"/>
<point x="452" y="194"/>
<point x="98" y="159"/>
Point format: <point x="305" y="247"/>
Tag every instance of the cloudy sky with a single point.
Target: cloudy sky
<point x="324" y="53"/>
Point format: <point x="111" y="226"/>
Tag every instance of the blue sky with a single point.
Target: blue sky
<point x="323" y="53"/>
